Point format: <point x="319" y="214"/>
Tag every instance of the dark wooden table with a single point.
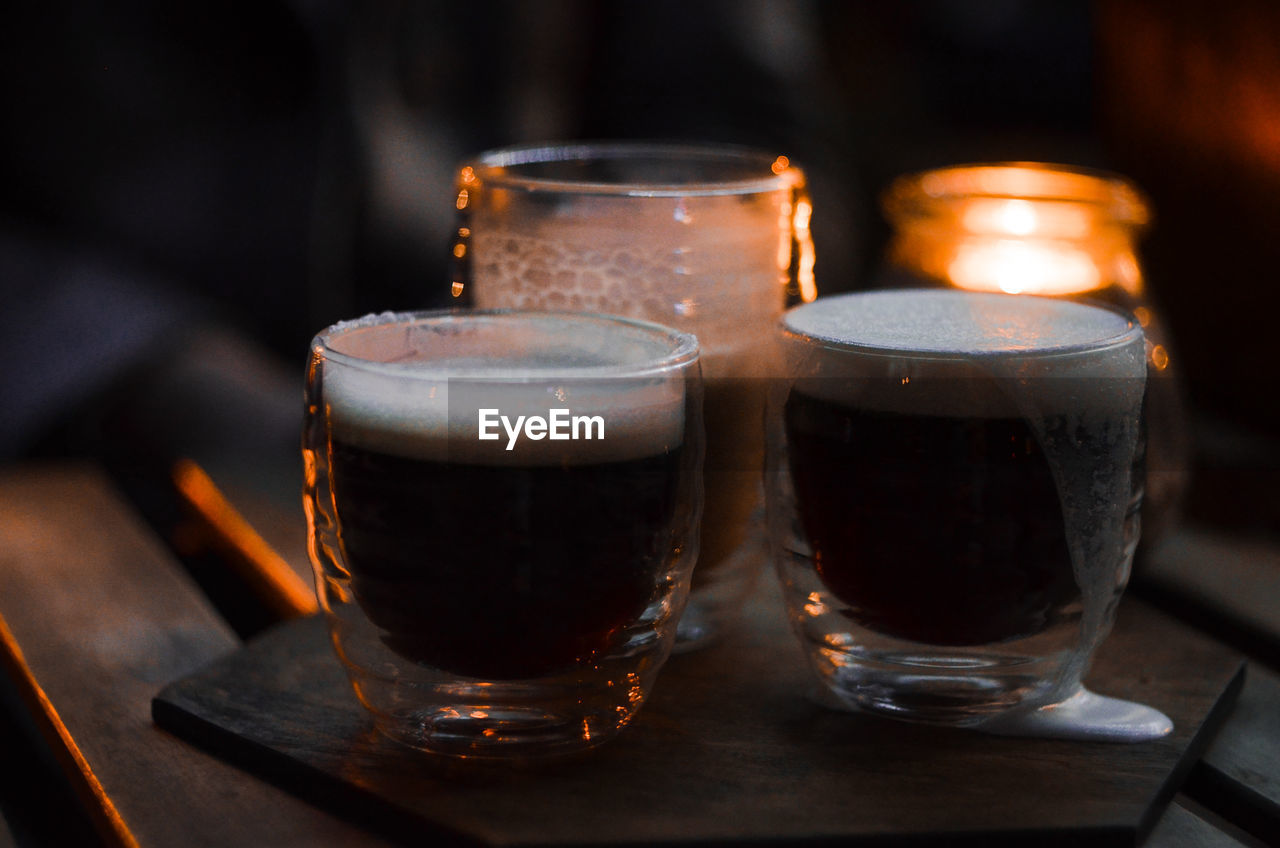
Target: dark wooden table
<point x="97" y="615"/>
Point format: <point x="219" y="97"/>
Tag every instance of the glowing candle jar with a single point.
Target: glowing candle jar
<point x="1020" y="228"/>
<point x="1049" y="230"/>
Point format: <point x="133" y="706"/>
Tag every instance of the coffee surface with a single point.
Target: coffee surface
<point x="935" y="529"/>
<point x="503" y="572"/>
<point x="958" y="323"/>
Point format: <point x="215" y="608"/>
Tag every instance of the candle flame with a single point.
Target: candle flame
<point x="1023" y="267"/>
<point x="1019" y="228"/>
<point x="1019" y="217"/>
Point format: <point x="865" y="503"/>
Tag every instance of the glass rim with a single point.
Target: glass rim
<point x="682" y="348"/>
<point x="909" y="195"/>
<point x="499" y="167"/>
<point x="1133" y="333"/>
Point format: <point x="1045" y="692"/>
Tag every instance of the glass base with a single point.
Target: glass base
<point x="960" y="685"/>
<point x="495" y="734"/>
<point x="561" y="714"/>
<point x="946" y="690"/>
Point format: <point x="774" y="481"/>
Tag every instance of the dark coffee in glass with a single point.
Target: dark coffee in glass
<point x="953" y="495"/>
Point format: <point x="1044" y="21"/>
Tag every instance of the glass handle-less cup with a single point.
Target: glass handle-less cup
<point x="503" y="517"/>
<point x="953" y="492"/>
<point x="710" y="240"/>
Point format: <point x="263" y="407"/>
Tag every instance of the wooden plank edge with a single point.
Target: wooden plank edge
<point x="106" y="818"/>
<point x="367" y="808"/>
<point x="1240" y="773"/>
<point x="356" y="804"/>
<point x="269" y="577"/>
<point x="1196" y="747"/>
<point x="173" y="710"/>
<point x="1189" y="825"/>
<point x="1238" y="803"/>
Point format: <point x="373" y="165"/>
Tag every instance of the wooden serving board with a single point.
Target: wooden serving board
<point x="728" y="750"/>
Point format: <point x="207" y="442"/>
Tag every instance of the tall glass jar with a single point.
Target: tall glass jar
<point x="1048" y="230"/>
<point x="711" y="240"/>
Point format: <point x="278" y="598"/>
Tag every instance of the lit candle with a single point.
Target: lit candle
<point x="1019" y="228"/>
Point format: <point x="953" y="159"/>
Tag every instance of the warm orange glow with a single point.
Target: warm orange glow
<point x="1018" y="228"/>
<point x="781" y="164"/>
<point x="794" y="235"/>
<point x="1127" y="274"/>
<point x="1143" y="314"/>
<point x="1013" y="217"/>
<point x="804" y="274"/>
<point x="1039" y="183"/>
<point x="266" y="572"/>
<point x="1017" y="217"/>
<point x="1159" y="358"/>
<point x="1032" y="248"/>
<point x="635" y="697"/>
<point x="463" y="197"/>
<point x="784" y="237"/>
<point x="106" y="818"/>
<point x="1023" y="267"/>
<point x="457" y="288"/>
<point x="309" y="467"/>
<point x="804" y="211"/>
<point x="460" y="250"/>
<point x="467" y="175"/>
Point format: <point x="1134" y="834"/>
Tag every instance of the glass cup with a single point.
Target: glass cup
<point x="711" y="240"/>
<point x="953" y="494"/>
<point x="503" y="513"/>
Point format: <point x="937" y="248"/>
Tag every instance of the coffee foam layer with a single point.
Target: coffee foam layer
<point x="965" y="354"/>
<point x="925" y="323"/>
<point x="418" y="416"/>
<point x="413" y="385"/>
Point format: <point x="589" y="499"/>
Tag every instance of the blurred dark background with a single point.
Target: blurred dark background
<point x="191" y="190"/>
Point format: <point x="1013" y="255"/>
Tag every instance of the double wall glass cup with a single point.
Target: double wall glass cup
<point x="503" y="517"/>
<point x="953" y="495"/>
<point x="710" y="240"/>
